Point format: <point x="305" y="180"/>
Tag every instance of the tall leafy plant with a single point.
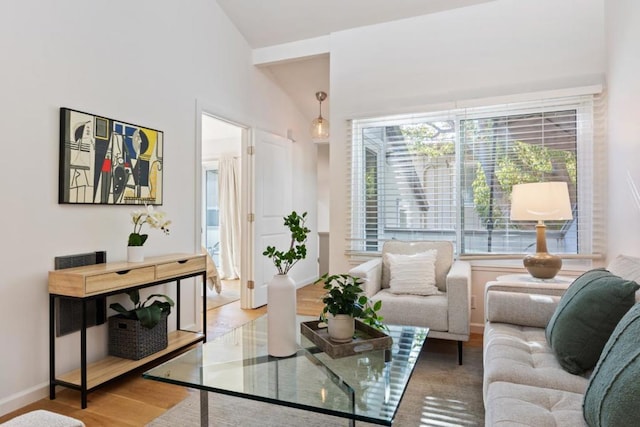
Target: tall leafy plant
<point x="285" y="260"/>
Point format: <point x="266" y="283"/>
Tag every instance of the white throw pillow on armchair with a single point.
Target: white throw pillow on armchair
<point x="412" y="274"/>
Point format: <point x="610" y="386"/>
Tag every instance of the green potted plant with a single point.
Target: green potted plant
<point x="148" y="315"/>
<point x="345" y="301"/>
<point x="142" y="330"/>
<point x="281" y="290"/>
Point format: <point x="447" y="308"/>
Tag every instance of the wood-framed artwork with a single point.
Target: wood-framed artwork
<point x="109" y="162"/>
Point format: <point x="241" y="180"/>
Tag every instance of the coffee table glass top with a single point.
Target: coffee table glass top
<point x="364" y="387"/>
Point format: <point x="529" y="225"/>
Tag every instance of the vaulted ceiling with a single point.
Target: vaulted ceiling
<point x="273" y="22"/>
<point x="267" y="23"/>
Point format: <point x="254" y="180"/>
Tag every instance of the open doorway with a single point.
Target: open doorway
<point x="265" y="185"/>
<point x="221" y="204"/>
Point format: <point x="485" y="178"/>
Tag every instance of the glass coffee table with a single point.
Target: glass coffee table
<point x="367" y="386"/>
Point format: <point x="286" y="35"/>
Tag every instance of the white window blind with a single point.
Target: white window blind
<point x="448" y="175"/>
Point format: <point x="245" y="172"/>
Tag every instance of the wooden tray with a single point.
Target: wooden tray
<point x="366" y="338"/>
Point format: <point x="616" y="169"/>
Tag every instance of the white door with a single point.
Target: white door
<point x="272" y="201"/>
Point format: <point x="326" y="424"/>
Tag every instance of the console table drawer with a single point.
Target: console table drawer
<point x="178" y="268"/>
<point x="119" y="279"/>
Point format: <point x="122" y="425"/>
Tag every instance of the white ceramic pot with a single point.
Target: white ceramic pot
<point x="281" y="316"/>
<point x="341" y="327"/>
<point x="135" y="253"/>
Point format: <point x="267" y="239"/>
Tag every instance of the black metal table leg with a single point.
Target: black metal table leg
<point x="204" y="408"/>
<point x="83" y="355"/>
<point x="178" y="304"/>
<point x="52" y="348"/>
<point x="204" y="305"/>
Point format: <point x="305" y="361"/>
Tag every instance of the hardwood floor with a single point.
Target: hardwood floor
<point x="134" y="401"/>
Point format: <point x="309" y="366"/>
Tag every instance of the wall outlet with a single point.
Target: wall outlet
<point x="473" y="302"/>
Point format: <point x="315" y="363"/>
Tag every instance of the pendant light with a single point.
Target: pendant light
<point x="320" y="125"/>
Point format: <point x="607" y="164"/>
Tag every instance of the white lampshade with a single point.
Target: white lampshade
<point x="541" y="201"/>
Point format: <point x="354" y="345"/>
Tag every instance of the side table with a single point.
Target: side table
<point x="528" y="284"/>
<point x="527" y="278"/>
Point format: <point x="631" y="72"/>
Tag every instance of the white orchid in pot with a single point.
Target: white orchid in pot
<point x="155" y="219"/>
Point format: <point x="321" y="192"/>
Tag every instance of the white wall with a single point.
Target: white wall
<point x="623" y="69"/>
<point x="323" y="180"/>
<point x="145" y="62"/>
<point x="493" y="49"/>
<point x="214" y="149"/>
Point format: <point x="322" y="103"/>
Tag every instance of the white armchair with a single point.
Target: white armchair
<point x="446" y="313"/>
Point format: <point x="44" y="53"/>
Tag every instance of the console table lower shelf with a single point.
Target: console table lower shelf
<point x="111" y="367"/>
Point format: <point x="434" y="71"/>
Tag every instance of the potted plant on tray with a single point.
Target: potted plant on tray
<point x="142" y="330"/>
<point x="344" y="302"/>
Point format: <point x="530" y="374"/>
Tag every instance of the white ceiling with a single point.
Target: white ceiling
<point x="271" y="22"/>
<point x="267" y="23"/>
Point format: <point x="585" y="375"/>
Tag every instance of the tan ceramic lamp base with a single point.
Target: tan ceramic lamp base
<point x="542" y="265"/>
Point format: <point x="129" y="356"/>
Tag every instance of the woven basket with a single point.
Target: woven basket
<point x="129" y="339"/>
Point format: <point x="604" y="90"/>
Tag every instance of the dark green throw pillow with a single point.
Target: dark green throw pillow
<point x="612" y="398"/>
<point x="586" y="315"/>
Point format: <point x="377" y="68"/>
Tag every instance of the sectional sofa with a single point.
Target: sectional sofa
<point x="524" y="382"/>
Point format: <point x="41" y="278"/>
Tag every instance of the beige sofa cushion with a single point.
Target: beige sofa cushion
<point x="520" y="308"/>
<point x="430" y="311"/>
<point x="511" y="405"/>
<point x="520" y="354"/>
<point x="626" y="267"/>
<point x="42" y="417"/>
<point x="444" y="258"/>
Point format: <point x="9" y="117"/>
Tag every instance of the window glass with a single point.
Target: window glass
<point x="448" y="175"/>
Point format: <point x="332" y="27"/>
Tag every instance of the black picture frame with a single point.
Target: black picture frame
<point x="108" y="162"/>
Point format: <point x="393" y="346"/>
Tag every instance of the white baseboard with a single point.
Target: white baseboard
<point x="23" y="398"/>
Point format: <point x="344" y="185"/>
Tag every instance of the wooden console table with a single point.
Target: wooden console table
<point x="102" y="280"/>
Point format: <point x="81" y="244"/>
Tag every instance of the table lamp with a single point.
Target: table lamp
<point x="541" y="201"/>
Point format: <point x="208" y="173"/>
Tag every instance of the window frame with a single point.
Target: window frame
<point x="587" y="120"/>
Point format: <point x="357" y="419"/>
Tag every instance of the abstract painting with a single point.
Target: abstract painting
<point x="107" y="161"/>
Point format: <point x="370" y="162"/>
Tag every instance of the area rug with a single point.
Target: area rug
<point x="440" y="393"/>
<point x="215" y="300"/>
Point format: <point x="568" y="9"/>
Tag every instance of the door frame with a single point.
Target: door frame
<point x="246" y="231"/>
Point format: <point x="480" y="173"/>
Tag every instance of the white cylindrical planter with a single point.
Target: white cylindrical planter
<point x="281" y="316"/>
<point x="135" y="253"/>
<point x="341" y="327"/>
